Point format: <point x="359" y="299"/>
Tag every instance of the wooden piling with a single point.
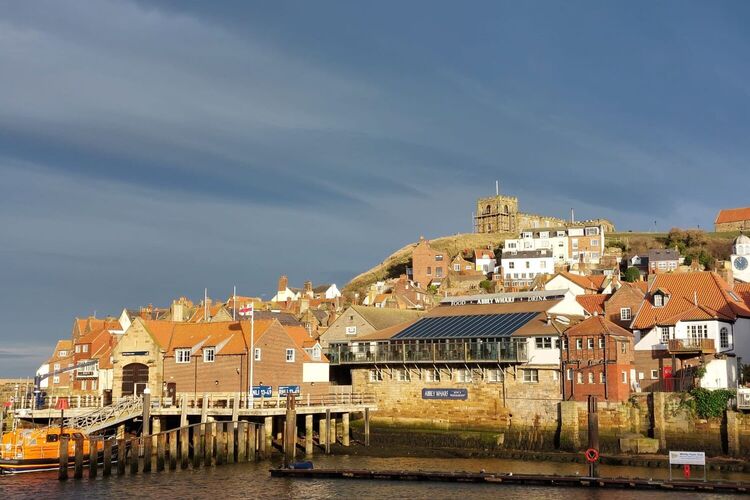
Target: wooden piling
<point x="173" y="450"/>
<point x="252" y="441"/>
<point x="78" y="467"/>
<point x="107" y="458"/>
<point x="290" y="431"/>
<point x="93" y="456"/>
<point x="327" y="437"/>
<point x="308" y="435"/>
<point x="593" y="434"/>
<point x="161" y="446"/>
<point x="241" y="442"/>
<point x="183" y="411"/>
<point x="208" y="443"/>
<point x="334" y="430"/>
<point x="135" y="451"/>
<point x="367" y="427"/>
<point x="260" y="435"/>
<point x="220" y="444"/>
<point x="197" y="453"/>
<point x="62" y="475"/>
<point x="204" y="408"/>
<point x="121" y="454"/>
<point x="345" y="429"/>
<point x="184" y="448"/>
<point x="231" y="440"/>
<point x="147" y="452"/>
<point x="269" y="436"/>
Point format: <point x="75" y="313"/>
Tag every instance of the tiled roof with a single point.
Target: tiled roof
<point x="483" y="253"/>
<point x="593" y="303"/>
<point x="302" y="338"/>
<point x="733" y="215"/>
<point x="582" y="281"/>
<point x="160" y="330"/>
<point x="698" y="295"/>
<point x="597" y="325"/>
<point x="742" y="290"/>
<point x="227" y="336"/>
<point x="381" y="318"/>
<point x="662" y="254"/>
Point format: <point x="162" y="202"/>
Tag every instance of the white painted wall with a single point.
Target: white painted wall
<point x="742" y="339"/>
<point x="720" y="374"/>
<point x="43" y="370"/>
<point x="558" y="245"/>
<point x="651" y="339"/>
<point x="333" y="292"/>
<point x="562" y="283"/>
<point x="520" y="273"/>
<point x="543" y="356"/>
<point x="315" y="372"/>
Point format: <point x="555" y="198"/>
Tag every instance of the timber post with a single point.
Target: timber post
<point x="220" y="443"/>
<point x="184" y="447"/>
<point x="121" y="453"/>
<point x="93" y="456"/>
<point x="593" y="434"/>
<point x="367" y="427"/>
<point x="252" y="441"/>
<point x="327" y="437"/>
<point x="261" y="437"/>
<point x="161" y="445"/>
<point x="204" y="408"/>
<point x="183" y="411"/>
<point x="147" y="452"/>
<point x="269" y="436"/>
<point x="290" y="431"/>
<point x="78" y="470"/>
<point x="107" y="458"/>
<point x="173" y="450"/>
<point x="230" y="427"/>
<point x="308" y="435"/>
<point x="63" y="473"/>
<point x="196" y="430"/>
<point x="241" y="441"/>
<point x="208" y="443"/>
<point x="345" y="429"/>
<point x="135" y="451"/>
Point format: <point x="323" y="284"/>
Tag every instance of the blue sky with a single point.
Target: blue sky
<point x="151" y="149"/>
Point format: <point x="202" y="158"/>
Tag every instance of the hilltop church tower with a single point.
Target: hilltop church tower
<point x="496" y="214"/>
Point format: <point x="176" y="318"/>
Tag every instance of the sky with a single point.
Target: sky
<point x="151" y="149"/>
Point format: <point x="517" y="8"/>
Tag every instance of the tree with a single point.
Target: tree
<point x="632" y="274"/>
<point x="487" y="286"/>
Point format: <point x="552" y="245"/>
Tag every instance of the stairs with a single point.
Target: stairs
<point x="101" y="418"/>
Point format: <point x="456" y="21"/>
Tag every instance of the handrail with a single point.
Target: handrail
<point x="122" y="410"/>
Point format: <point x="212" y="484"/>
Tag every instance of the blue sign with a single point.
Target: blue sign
<point x="445" y="393"/>
<point x="262" y="391"/>
<point x="288" y="389"/>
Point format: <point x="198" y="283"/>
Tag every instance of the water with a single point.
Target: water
<point x="252" y="480"/>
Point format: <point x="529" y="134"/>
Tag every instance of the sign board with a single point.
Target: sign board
<point x="445" y="393"/>
<point x="262" y="391"/>
<point x="134" y="353"/>
<point x="288" y="389"/>
<point x="687" y="458"/>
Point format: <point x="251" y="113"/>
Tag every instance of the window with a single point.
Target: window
<point x="290" y="355"/>
<point x="565" y="344"/>
<point x="543" y="342"/>
<point x="85" y="348"/>
<point x="463" y="375"/>
<point x="724" y="338"/>
<point x="591" y="231"/>
<point x="56" y="379"/>
<point x="624" y="377"/>
<point x="654" y="374"/>
<point x="641" y="376"/>
<point x="591" y="378"/>
<point x="664" y="330"/>
<point x="569" y="372"/>
<point x="93" y="385"/>
<point x="528" y="265"/>
<point x="257" y="354"/>
<point x="579" y="343"/>
<point x="511" y="265"/>
<point x="78" y="348"/>
<point x="84" y="385"/>
<point x="494" y="375"/>
<point x="432" y="375"/>
<point x="555" y="376"/>
<point x="56" y="366"/>
<point x="316" y="353"/>
<point x="594" y="242"/>
<point x="530" y="375"/>
<point x="658" y="300"/>
<point x="624" y="347"/>
<point x="402" y="375"/>
<point x="601" y="377"/>
<point x="63" y="354"/>
<point x="429" y="270"/>
<point x="351" y="330"/>
<point x="209" y="354"/>
<point x="590" y="343"/>
<point x="625" y="314"/>
<point x="696" y="332"/>
<point x="439" y="272"/>
<point x="543" y="264"/>
<point x="457" y="267"/>
<point x="601" y="342"/>
<point x="376" y="375"/>
<point x="579" y="377"/>
<point x="182" y="355"/>
<point x="438" y="258"/>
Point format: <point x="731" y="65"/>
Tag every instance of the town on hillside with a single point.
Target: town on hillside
<point x="559" y="311"/>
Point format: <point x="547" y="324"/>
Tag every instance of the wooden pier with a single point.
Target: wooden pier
<point x="518" y="479"/>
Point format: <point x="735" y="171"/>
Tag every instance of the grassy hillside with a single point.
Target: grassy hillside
<point x="718" y="245"/>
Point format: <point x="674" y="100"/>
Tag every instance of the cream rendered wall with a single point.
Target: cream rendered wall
<point x="315" y="372"/>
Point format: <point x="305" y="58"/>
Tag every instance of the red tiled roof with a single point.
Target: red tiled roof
<point x="733" y="215"/>
<point x="699" y="295"/>
<point x="160" y="330"/>
<point x="582" y="281"/>
<point x="597" y="325"/>
<point x="228" y="335"/>
<point x="593" y="303"/>
<point x="742" y="290"/>
<point x="481" y="253"/>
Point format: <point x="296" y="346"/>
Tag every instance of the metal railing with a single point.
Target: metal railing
<point x="514" y="351"/>
<point x="124" y="409"/>
<point x="222" y="402"/>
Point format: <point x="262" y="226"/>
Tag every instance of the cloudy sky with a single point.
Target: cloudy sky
<point x="151" y="149"/>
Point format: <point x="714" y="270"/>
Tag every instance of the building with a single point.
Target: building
<point x="357" y="321"/>
<point x="732" y="219"/>
<point x="484" y="260"/>
<point x="520" y="267"/>
<point x="740" y="259"/>
<point x="493" y="359"/>
<point x="586" y="244"/>
<point x="690" y="328"/>
<point x="284" y="293"/>
<point x="62" y="357"/>
<point x="597" y="360"/>
<point x="621" y="306"/>
<point x="429" y="267"/>
<point x="663" y="260"/>
<point x="496" y="214"/>
<point x="552" y="239"/>
<point x="582" y="285"/>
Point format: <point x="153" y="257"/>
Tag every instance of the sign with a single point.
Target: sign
<point x="445" y="393"/>
<point x="288" y="389"/>
<point x="504" y="298"/>
<point x="351" y="330"/>
<point x="134" y="353"/>
<point x="262" y="391"/>
<point x="687" y="458"/>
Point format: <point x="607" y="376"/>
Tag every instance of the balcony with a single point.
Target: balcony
<point x="429" y="352"/>
<point x="691" y="346"/>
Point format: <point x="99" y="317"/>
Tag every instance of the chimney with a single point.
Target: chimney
<point x="283" y="283"/>
<point x="307" y="289"/>
<point x="572" y="216"/>
<point x="497" y="188"/>
<point x="178" y="311"/>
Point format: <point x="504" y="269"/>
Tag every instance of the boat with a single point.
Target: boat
<point x="35" y="450"/>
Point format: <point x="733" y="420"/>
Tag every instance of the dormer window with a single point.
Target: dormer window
<point x="658" y="300"/>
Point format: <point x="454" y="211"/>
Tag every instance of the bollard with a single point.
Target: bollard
<point x="121" y="454"/>
<point x="173" y="450"/>
<point x="63" y="473"/>
<point x="93" y="456"/>
<point x="161" y="445"/>
<point x="107" y="458"/>
<point x="78" y="470"/>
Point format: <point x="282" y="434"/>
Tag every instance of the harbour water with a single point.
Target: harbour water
<point x="252" y="480"/>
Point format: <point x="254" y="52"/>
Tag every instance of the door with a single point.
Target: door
<point x="172" y="392"/>
<point x="134" y="379"/>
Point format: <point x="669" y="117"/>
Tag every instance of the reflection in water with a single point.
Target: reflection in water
<point x="253" y="481"/>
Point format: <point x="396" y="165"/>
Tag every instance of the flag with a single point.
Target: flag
<point x="246" y="310"/>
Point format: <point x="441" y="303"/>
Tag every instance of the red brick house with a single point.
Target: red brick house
<point x="429" y="267"/>
<point x="597" y="359"/>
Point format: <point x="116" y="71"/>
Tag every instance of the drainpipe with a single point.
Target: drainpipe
<point x="604" y="367"/>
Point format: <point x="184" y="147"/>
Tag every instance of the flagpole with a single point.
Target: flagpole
<point x="234" y="303"/>
<point x="252" y="351"/>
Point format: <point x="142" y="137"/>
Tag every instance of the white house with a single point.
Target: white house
<point x="521" y="267"/>
<point x="696" y="320"/>
<point x="329" y="292"/>
<point x="554" y="240"/>
<point x="41" y="372"/>
<point x="484" y="260"/>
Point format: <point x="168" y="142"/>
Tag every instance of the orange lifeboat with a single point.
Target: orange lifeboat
<point x="32" y="450"/>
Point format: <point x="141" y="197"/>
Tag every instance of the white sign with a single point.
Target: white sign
<point x="351" y="330"/>
<point x="687" y="458"/>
